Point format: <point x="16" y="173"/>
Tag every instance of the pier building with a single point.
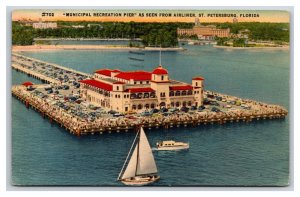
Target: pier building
<point x="140" y="90"/>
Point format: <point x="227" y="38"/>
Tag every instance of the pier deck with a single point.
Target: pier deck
<point x="80" y="125"/>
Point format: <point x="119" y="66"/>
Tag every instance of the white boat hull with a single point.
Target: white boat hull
<point x="140" y="181"/>
<point x="174" y="147"/>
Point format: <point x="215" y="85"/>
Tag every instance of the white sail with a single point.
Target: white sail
<point x="131" y="167"/>
<point x="146" y="162"/>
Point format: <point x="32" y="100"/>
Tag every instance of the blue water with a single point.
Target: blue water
<point x="235" y="154"/>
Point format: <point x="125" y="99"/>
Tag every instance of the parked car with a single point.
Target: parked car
<point x="112" y="112"/>
<point x="214" y="103"/>
<point x="146" y="113"/>
<point x="193" y="108"/>
<point x="184" y="109"/>
<point x="48" y="88"/>
<point x="153" y="111"/>
<point x="66" y="87"/>
<point x="163" y="110"/>
<point x="200" y="108"/>
<point x="219" y="98"/>
<point x="118" y="115"/>
<point x="215" y="109"/>
<point x="206" y="101"/>
<point x="210" y="96"/>
<point x="30" y="88"/>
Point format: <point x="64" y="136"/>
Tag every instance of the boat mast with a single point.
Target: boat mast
<point x="130" y="151"/>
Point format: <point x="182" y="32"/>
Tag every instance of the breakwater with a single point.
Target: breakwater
<point x="79" y="126"/>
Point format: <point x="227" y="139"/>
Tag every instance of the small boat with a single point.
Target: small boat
<point x="141" y="168"/>
<point x="172" y="145"/>
<point x="136" y="59"/>
<point x="136" y="52"/>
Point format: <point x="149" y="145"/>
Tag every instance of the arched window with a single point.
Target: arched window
<point x="147" y="106"/>
<point x="152" y="95"/>
<point x="177" y="93"/>
<point x="140" y="106"/>
<point x="132" y="96"/>
<point x="190" y="103"/>
<point x="172" y="104"/>
<point x="133" y="107"/>
<point x="152" y="105"/>
<point x="184" y="103"/>
<point x="162" y="104"/>
<point x="171" y="93"/>
<point x="177" y="104"/>
<point x="183" y="93"/>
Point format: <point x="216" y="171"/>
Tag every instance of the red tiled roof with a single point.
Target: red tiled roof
<point x="198" y="78"/>
<point x="27" y="83"/>
<point x="106" y="72"/>
<point x="135" y="75"/>
<point x="97" y="84"/>
<point x="160" y="71"/>
<point x="184" y="87"/>
<point x="135" y="90"/>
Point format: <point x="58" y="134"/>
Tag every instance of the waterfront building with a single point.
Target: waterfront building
<point x="77" y="26"/>
<point x="126" y="91"/>
<point x="44" y="25"/>
<point x="204" y="32"/>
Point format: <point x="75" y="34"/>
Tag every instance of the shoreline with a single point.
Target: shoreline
<point x="88" y="39"/>
<point x="88" y="47"/>
<point x="230" y="47"/>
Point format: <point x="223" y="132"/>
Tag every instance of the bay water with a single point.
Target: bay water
<point x="233" y="154"/>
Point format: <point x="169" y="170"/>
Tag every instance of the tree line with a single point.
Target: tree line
<point x="260" y="31"/>
<point x="151" y="34"/>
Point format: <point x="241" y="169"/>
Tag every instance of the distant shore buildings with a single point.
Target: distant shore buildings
<point x="140" y="90"/>
<point x="44" y="25"/>
<point x="208" y="32"/>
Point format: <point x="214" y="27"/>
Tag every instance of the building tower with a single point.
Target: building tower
<point x="197" y="22"/>
<point x="160" y="83"/>
<point x="198" y="88"/>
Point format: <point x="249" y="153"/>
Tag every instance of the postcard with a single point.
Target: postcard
<point x="148" y="97"/>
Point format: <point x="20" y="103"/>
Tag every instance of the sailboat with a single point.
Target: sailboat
<point x="141" y="168"/>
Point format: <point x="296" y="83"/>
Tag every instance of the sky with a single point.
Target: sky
<point x="153" y="15"/>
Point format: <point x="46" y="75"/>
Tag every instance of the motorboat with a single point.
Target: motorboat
<point x="172" y="145"/>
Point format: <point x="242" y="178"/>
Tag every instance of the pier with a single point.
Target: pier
<point x="78" y="126"/>
<point x="24" y="64"/>
<point x="49" y="107"/>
